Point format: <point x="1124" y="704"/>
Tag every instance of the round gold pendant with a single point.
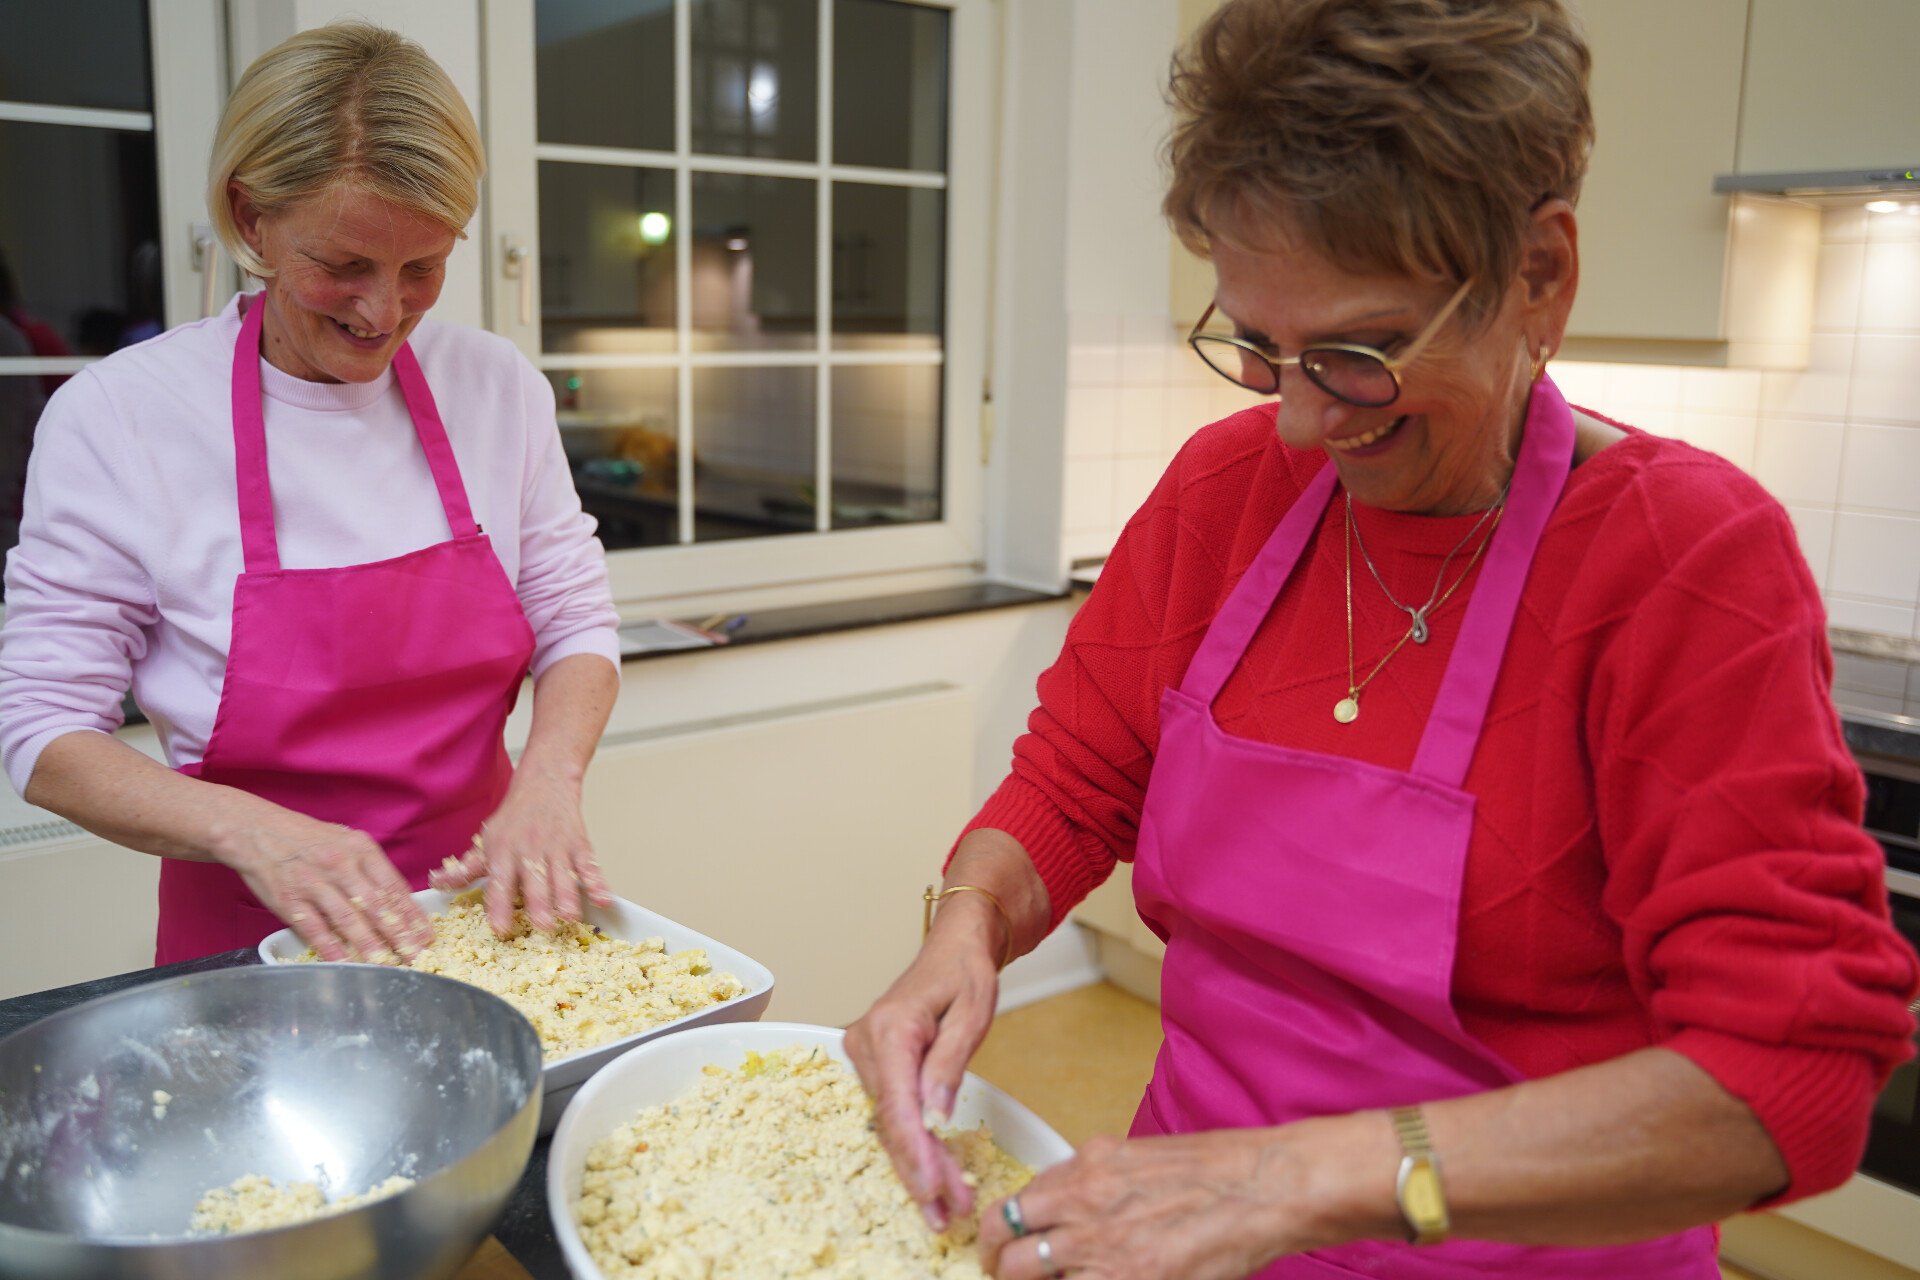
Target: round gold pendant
<point x="1347" y="710"/>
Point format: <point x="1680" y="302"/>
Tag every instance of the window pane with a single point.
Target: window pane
<point x="753" y="256"/>
<point x="889" y="84"/>
<point x="753" y="452"/>
<point x="606" y="258"/>
<point x="889" y="266"/>
<point x="886" y="444"/>
<point x="621" y="433"/>
<point x="755" y="78"/>
<point x="80" y="230"/>
<point x="604" y="72"/>
<point x="21" y="399"/>
<point x="75" y="55"/>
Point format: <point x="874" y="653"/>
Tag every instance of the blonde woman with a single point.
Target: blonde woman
<point x="1473" y="752"/>
<point x="323" y="541"/>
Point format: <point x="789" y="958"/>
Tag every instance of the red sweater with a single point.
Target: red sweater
<point x="1666" y="846"/>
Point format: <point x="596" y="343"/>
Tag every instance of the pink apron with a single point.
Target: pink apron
<point x="1311" y="903"/>
<point x="372" y="695"/>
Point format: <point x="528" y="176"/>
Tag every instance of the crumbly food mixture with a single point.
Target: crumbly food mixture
<point x="257" y="1203"/>
<point x="578" y="987"/>
<point x="774" y="1171"/>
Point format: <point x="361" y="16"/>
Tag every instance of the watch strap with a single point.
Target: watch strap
<point x="1423" y="1205"/>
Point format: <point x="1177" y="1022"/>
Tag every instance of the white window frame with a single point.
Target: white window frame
<point x="187" y="59"/>
<point x="955" y="544"/>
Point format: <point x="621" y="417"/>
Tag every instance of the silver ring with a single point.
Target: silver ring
<point x="1016" y="1221"/>
<point x="1046" y="1259"/>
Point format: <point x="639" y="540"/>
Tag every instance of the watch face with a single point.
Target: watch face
<point x="1420" y="1197"/>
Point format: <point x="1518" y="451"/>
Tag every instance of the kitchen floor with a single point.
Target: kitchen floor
<point x="1081" y="1061"/>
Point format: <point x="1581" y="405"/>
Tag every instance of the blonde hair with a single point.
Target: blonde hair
<point x="1410" y="137"/>
<point x="349" y="102"/>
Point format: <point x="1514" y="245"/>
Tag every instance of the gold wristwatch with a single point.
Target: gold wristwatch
<point x="1422" y="1203"/>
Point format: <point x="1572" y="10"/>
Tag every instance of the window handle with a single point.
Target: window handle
<point x="515" y="266"/>
<point x="206" y="260"/>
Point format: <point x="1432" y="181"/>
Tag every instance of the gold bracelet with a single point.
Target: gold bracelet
<point x="930" y="897"/>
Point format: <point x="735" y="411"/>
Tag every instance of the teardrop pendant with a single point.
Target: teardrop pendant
<point x="1419" y="628"/>
<point x="1347" y="710"/>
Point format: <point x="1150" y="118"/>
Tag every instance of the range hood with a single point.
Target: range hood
<point x="1838" y="182"/>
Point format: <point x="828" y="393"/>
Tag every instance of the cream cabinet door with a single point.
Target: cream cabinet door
<point x="1653" y="235"/>
<point x="1830" y="85"/>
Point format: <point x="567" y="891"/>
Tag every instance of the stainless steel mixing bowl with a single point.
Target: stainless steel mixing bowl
<point x="338" y="1074"/>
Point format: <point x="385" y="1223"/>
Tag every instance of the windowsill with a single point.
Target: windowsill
<point x="797" y="621"/>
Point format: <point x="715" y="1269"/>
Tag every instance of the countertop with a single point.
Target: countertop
<point x="524" y="1228"/>
<point x="1876" y="688"/>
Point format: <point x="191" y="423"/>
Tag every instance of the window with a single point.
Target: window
<point x="743" y="277"/>
<point x="95" y="242"/>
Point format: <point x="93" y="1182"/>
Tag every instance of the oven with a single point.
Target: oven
<point x="1893" y="818"/>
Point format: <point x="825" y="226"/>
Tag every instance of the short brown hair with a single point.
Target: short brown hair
<point x="1403" y="136"/>
<point x="347" y="102"/>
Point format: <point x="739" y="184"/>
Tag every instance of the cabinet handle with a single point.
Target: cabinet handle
<point x="516" y="268"/>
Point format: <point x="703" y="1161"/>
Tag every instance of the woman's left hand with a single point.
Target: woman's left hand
<point x="1206" y="1206"/>
<point x="533" y="848"/>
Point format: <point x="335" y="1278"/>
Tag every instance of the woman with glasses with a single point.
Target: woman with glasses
<point x="1473" y="752"/>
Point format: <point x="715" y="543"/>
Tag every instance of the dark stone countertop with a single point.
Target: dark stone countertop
<point x="524" y="1227"/>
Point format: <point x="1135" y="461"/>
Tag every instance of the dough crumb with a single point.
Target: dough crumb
<point x="774" y="1170"/>
<point x="256" y="1203"/>
<point x="577" y="986"/>
<point x="160" y="1100"/>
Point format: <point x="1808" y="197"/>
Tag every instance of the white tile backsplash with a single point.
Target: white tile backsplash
<point x="1901" y="224"/>
<point x="1093" y="417"/>
<point x="1727" y="434"/>
<point x="1720" y="391"/>
<point x="1870" y="615"/>
<point x="1836" y="295"/>
<point x="1888" y="300"/>
<point x="1838" y="442"/>
<point x="1813" y="526"/>
<point x="1876" y="556"/>
<point x="1819" y="390"/>
<point x="1798" y="459"/>
<point x="1882" y="468"/>
<point x="1886" y="378"/>
<point x="1143" y="413"/>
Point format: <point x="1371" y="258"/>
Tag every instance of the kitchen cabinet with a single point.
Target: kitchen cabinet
<point x="1829" y="85"/>
<point x="1672" y="273"/>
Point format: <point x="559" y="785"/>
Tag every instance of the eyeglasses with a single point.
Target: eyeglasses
<point x="1346" y="371"/>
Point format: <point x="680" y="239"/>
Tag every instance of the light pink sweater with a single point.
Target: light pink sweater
<point x="130" y="543"/>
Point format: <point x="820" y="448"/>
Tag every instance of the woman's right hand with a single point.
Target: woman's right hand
<point x="912" y="1049"/>
<point x="332" y="884"/>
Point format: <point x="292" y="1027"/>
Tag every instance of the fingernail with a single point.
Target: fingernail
<point x="939" y="1108"/>
<point x="935" y="1219"/>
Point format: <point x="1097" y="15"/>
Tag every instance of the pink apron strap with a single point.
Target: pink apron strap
<point x="257" y="542"/>
<point x="1252" y="597"/>
<point x="433" y="438"/>
<point x="1460" y="708"/>
<point x="259" y="546"/>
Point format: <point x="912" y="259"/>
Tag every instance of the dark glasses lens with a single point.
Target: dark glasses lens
<point x="1236" y="363"/>
<point x="1353" y="376"/>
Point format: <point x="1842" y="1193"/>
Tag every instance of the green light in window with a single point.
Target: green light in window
<point x="655" y="227"/>
<point x="573" y="383"/>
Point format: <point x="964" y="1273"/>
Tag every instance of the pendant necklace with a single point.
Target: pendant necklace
<point x="1347" y="710"/>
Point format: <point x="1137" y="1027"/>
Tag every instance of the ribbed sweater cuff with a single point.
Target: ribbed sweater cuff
<point x="1053" y="843"/>
<point x="1813" y="1103"/>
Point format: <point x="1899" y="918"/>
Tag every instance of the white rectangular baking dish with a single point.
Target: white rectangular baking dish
<point x="659" y="1073"/>
<point x="629" y="922"/>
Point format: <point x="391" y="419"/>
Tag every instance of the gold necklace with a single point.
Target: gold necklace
<point x="1347" y="710"/>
